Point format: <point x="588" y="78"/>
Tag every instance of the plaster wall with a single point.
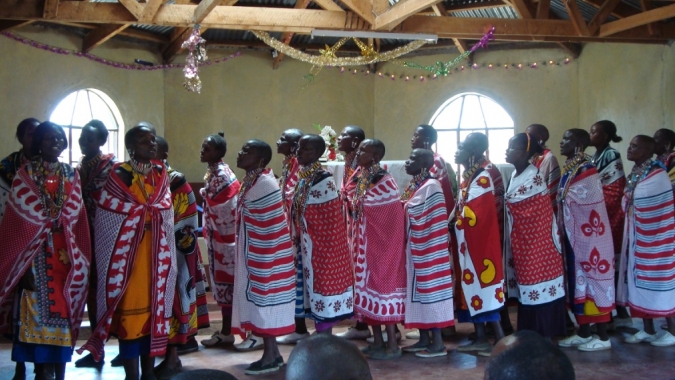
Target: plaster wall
<point x="246" y="99"/>
<point x="34" y="81"/>
<point x="632" y="85"/>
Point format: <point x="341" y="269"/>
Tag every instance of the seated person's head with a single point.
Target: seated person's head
<point x="327" y="357"/>
<point x="526" y="355"/>
<point x="204" y="374"/>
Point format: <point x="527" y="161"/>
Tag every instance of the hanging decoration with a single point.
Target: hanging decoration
<point x="443" y="68"/>
<point x="327" y="56"/>
<point x="195" y="45"/>
<point x="107" y="62"/>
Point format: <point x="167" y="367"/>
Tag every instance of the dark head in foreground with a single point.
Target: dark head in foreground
<point x="204" y="374"/>
<point x="327" y="357"/>
<point x="526" y="355"/>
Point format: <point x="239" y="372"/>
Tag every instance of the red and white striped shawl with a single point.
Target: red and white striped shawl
<point x="427" y="241"/>
<point x="646" y="277"/>
<point x="287" y="185"/>
<point x="267" y="243"/>
<point x="120" y="221"/>
<point x="28" y="228"/>
<point x="440" y="172"/>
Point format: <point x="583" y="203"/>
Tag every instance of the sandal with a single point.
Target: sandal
<point x="384" y="355"/>
<point x="431" y="354"/>
<point x="417" y="347"/>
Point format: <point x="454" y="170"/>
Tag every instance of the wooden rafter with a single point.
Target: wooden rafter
<point x="643" y="18"/>
<point x="475" y="5"/>
<point x="305" y="20"/>
<point x="396" y="14"/>
<point x="647" y="5"/>
<point x="439" y="10"/>
<point x="328" y="5"/>
<point x="600" y="17"/>
<point x="573" y="50"/>
<point x="620" y="11"/>
<point x="543" y="9"/>
<point x="50" y="9"/>
<point x="203" y="9"/>
<point x="149" y="11"/>
<point x="7" y="25"/>
<point x="286" y="37"/>
<point x="362" y="8"/>
<point x="461" y="45"/>
<point x="576" y="17"/>
<point x="100" y="35"/>
<point x="522" y="8"/>
<point x="133" y="7"/>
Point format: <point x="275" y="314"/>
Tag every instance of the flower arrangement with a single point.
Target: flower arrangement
<point x="330" y="137"/>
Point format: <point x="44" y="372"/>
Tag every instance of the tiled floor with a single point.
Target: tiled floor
<point x="624" y="361"/>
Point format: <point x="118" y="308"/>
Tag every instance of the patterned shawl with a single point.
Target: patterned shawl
<point x="646" y="276"/>
<point x="480" y="253"/>
<point x="590" y="251"/>
<point x="93" y="182"/>
<point x="220" y="201"/>
<point x="445" y="175"/>
<point x="379" y="238"/>
<point x="550" y="171"/>
<point x="499" y="190"/>
<point x="287" y="182"/>
<point x="319" y="232"/>
<point x="119" y="230"/>
<point x="30" y="229"/>
<point x="8" y="168"/>
<point x="534" y="271"/>
<point x="429" y="297"/>
<point x="189" y="280"/>
<point x="609" y="166"/>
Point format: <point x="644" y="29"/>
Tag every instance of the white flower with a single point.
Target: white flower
<point x="328" y="131"/>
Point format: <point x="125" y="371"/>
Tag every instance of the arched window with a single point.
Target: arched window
<point x="471" y="112"/>
<point x="76" y="110"/>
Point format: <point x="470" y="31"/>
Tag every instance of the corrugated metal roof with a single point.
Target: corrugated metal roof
<point x="157" y="29"/>
<point x="587" y="10"/>
<point x="496" y="12"/>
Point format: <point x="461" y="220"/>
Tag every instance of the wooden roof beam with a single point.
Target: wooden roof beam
<point x="286" y="37"/>
<point x="522" y="8"/>
<point x="203" y="9"/>
<point x="7" y="25"/>
<point x="149" y="11"/>
<point x="396" y="14"/>
<point x="133" y="7"/>
<point x="475" y="6"/>
<point x="100" y="35"/>
<point x="363" y="8"/>
<point x="640" y="19"/>
<point x="647" y="5"/>
<point x="603" y="12"/>
<point x="571" y="49"/>
<point x="620" y="11"/>
<point x="50" y="9"/>
<point x="543" y="9"/>
<point x="328" y="5"/>
<point x="576" y="17"/>
<point x="439" y="10"/>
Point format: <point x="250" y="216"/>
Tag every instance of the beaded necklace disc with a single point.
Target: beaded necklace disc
<point x="306" y="177"/>
<point x="43" y="172"/>
<point x="88" y="166"/>
<point x="366" y="178"/>
<point x="415" y="184"/>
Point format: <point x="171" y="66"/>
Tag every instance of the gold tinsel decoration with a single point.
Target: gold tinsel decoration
<point x="327" y="56"/>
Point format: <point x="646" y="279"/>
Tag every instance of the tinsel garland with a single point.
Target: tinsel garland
<point x="443" y="68"/>
<point x="327" y="56"/>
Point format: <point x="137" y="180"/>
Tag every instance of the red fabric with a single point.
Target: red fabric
<point x="542" y="261"/>
<point x="588" y="319"/>
<point x="613" y="194"/>
<point x="331" y="262"/>
<point x="30" y="229"/>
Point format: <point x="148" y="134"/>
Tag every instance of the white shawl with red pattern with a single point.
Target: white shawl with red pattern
<point x="29" y="229"/>
<point x="119" y="231"/>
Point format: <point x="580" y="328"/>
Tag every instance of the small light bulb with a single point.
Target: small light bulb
<point x="421" y="79"/>
<point x="550" y="62"/>
<point x="490" y="65"/>
<point x="379" y="75"/>
<point x="407" y="79"/>
<point x="435" y="76"/>
<point x="367" y="72"/>
<point x="392" y="77"/>
<point x="520" y="65"/>
<point x="342" y="69"/>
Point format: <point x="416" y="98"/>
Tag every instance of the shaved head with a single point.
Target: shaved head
<point x="539" y="131"/>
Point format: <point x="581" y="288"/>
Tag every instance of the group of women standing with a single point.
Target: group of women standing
<point x="300" y="246"/>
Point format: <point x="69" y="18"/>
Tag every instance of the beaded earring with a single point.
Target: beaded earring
<point x="426" y="145"/>
<point x="355" y="144"/>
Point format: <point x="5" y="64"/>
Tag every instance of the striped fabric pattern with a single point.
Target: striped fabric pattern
<point x="647" y="273"/>
<point x="264" y="279"/>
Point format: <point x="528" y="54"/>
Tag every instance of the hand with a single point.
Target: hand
<point x="27" y="281"/>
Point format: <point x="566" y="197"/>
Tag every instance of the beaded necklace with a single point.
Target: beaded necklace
<point x="143" y="169"/>
<point x="306" y="177"/>
<point x="51" y="206"/>
<point x="570" y="169"/>
<point x="415" y="184"/>
<point x="636" y="175"/>
<point x="467" y="178"/>
<point x="350" y="165"/>
<point x="664" y="158"/>
<point x="211" y="169"/>
<point x="248" y="181"/>
<point x="87" y="167"/>
<point x="285" y="170"/>
<point x="366" y="178"/>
